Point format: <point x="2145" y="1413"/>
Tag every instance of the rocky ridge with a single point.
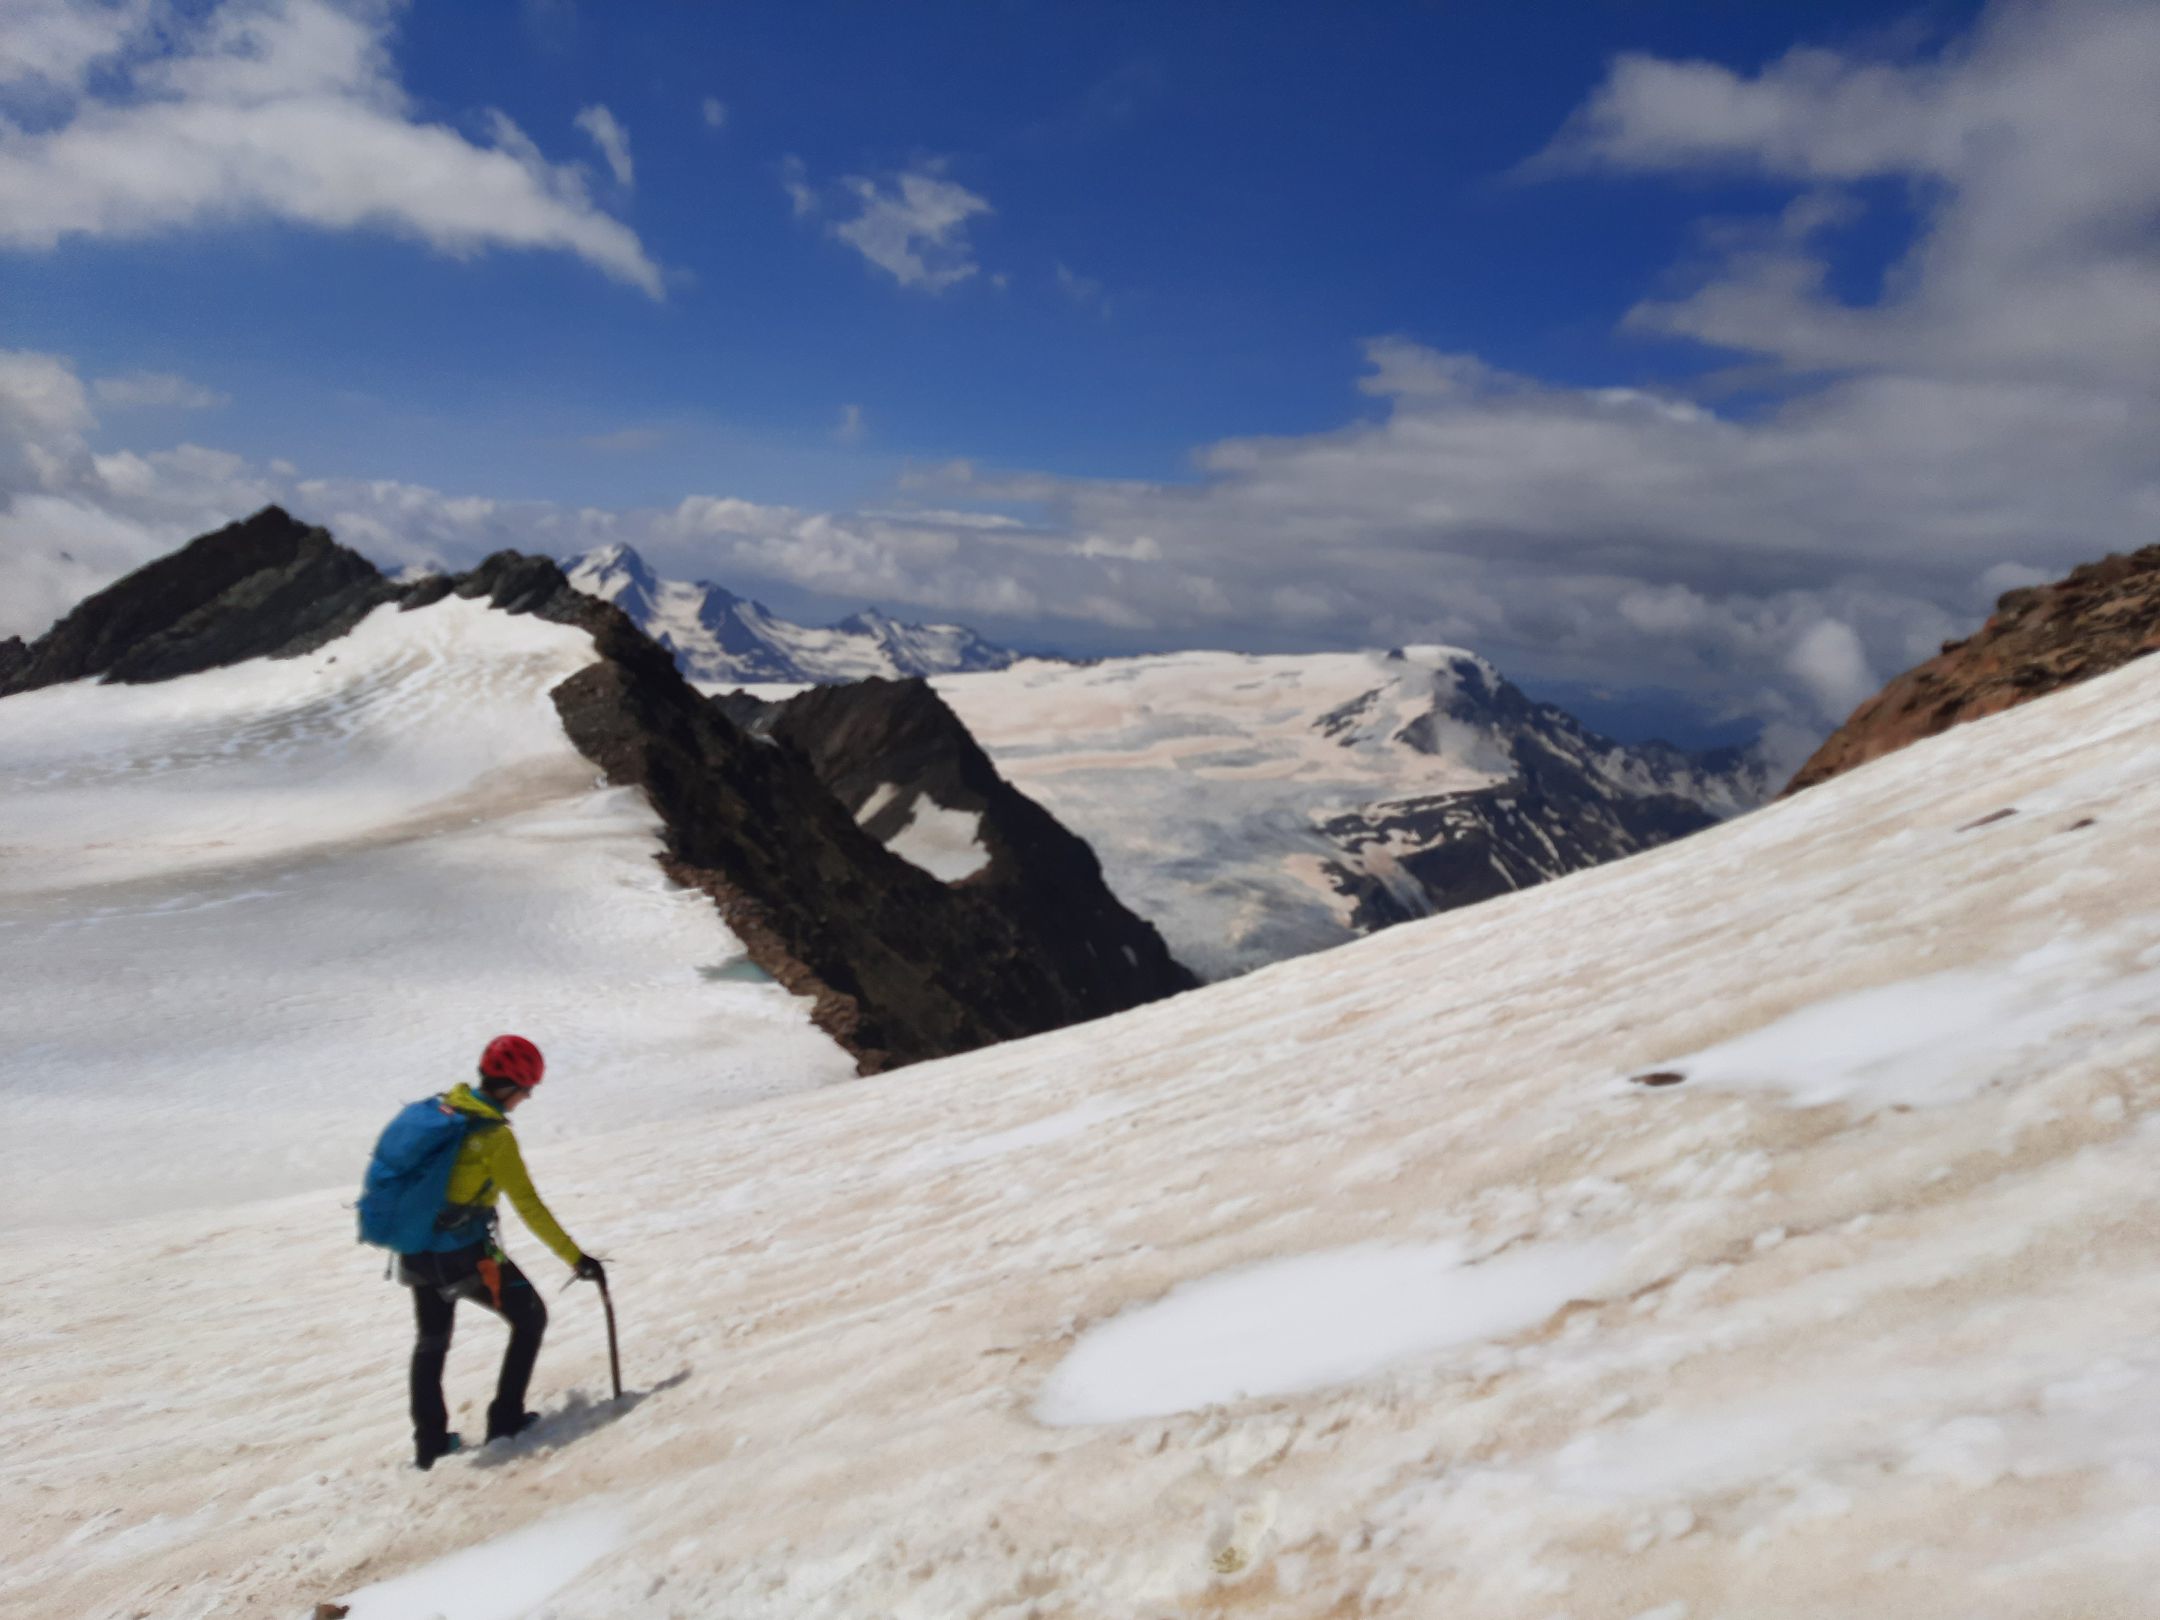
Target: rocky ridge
<point x="901" y="966"/>
<point x="897" y="757"/>
<point x="1571" y="799"/>
<point x="2038" y="640"/>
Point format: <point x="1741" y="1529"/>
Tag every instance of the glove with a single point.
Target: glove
<point x="590" y="1270"/>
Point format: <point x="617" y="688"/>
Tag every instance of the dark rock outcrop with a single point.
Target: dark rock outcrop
<point x="267" y="586"/>
<point x="1457" y="849"/>
<point x="901" y="966"/>
<point x="2039" y="640"/>
<point x="1576" y="800"/>
<point x="14" y="659"/>
<point x="897" y="744"/>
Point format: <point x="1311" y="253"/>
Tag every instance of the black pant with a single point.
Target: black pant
<point x="438" y="1282"/>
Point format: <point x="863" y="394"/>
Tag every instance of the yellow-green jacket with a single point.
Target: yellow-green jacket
<point x="489" y="1165"/>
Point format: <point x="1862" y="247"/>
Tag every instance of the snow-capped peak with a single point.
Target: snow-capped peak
<point x="722" y="638"/>
<point x="616" y="573"/>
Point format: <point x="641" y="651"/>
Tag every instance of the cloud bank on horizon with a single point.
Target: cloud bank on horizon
<point x="1866" y="474"/>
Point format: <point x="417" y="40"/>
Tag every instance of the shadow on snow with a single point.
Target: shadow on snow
<point x="577" y="1417"/>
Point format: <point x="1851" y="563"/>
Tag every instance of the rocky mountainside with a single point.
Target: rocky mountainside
<point x="1570" y="799"/>
<point x="1259" y="808"/>
<point x="2038" y="640"/>
<point x="906" y="768"/>
<point x="264" y="586"/>
<point x="902" y="965"/>
<point x="717" y="636"/>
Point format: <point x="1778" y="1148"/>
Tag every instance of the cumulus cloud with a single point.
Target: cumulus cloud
<point x="51" y="45"/>
<point x="72" y="520"/>
<point x="156" y="390"/>
<point x="281" y="109"/>
<point x="613" y="141"/>
<point x="914" y="228"/>
<point x="2033" y="151"/>
<point x="1831" y="663"/>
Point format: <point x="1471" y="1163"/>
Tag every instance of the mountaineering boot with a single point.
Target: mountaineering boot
<point x="425" y="1453"/>
<point x="501" y="1427"/>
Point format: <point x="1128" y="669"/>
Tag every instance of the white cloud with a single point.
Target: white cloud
<point x="43" y="408"/>
<point x="53" y="44"/>
<point x="795" y="181"/>
<point x="156" y="390"/>
<point x="915" y="229"/>
<point x="2033" y="148"/>
<point x="613" y="141"/>
<point x="715" y="111"/>
<point x="1830" y="661"/>
<point x="282" y="109"/>
<point x="71" y="521"/>
<point x="1082" y="290"/>
<point x="1325" y="540"/>
<point x="850" y="430"/>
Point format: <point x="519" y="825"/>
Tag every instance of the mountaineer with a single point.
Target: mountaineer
<point x="430" y="1197"/>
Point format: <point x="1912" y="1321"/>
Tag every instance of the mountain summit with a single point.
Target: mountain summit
<point x="717" y="636"/>
<point x="900" y="962"/>
<point x="1255" y="808"/>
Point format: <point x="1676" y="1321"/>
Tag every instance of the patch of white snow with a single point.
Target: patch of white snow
<point x="503" y="1579"/>
<point x="945" y="843"/>
<point x="1310" y="1321"/>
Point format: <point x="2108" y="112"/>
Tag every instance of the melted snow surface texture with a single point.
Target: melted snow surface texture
<point x="1839" y="1354"/>
<point x="719" y="637"/>
<point x="294" y="893"/>
<point x="1257" y="808"/>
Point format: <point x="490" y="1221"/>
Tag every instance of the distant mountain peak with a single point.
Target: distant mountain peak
<point x="719" y="637"/>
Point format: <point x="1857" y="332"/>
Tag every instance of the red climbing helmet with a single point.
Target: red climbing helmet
<point x="515" y="1059"/>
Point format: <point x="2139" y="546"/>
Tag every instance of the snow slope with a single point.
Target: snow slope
<point x="244" y="913"/>
<point x="1254" y="808"/>
<point x="1859" y="1317"/>
<point x="717" y="636"/>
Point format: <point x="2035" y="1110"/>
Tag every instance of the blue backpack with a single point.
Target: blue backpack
<point x="408" y="1179"/>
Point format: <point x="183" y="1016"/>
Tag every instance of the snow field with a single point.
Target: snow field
<point x="243" y="914"/>
<point x="1177" y="768"/>
<point x="1840" y="1353"/>
<point x="1201" y="779"/>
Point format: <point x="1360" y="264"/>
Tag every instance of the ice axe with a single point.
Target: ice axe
<point x="614" y="1356"/>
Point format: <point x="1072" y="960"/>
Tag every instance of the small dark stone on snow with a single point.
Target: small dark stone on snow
<point x="2081" y="824"/>
<point x="1658" y="1077"/>
<point x="1991" y="816"/>
<point x="332" y="1611"/>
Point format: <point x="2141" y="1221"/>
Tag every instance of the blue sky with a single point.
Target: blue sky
<point x="1115" y="326"/>
<point x="1237" y="195"/>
